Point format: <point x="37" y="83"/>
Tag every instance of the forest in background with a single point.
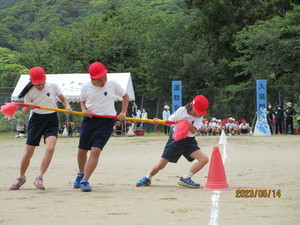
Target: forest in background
<point x="217" y="48"/>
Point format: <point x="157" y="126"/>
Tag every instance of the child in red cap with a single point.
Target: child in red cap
<point x="244" y="128"/>
<point x="41" y="123"/>
<point x="188" y="147"/>
<point x="97" y="97"/>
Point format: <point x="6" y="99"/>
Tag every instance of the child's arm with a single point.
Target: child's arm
<point x="85" y="110"/>
<point x="25" y="110"/>
<point x="28" y="101"/>
<point x="193" y="129"/>
<point x="66" y="103"/>
<point x="125" y="102"/>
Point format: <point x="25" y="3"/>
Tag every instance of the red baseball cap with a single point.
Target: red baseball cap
<point x="243" y="120"/>
<point x="97" y="70"/>
<point x="200" y="104"/>
<point x="37" y="75"/>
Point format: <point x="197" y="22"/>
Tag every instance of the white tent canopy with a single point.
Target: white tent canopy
<point x="70" y="84"/>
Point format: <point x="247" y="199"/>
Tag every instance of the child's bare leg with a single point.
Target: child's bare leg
<point x="92" y="162"/>
<point x="202" y="161"/>
<point x="159" y="166"/>
<point x="50" y="146"/>
<point x="145" y="181"/>
<point x="81" y="159"/>
<point x="29" y="150"/>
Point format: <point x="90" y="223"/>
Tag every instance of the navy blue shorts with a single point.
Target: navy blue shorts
<point x="39" y="125"/>
<point x="175" y="149"/>
<point x="244" y="131"/>
<point x="95" y="132"/>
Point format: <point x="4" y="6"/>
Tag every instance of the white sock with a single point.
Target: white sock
<point x="188" y="175"/>
<point x="149" y="176"/>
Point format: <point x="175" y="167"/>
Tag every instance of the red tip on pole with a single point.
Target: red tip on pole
<point x="182" y="130"/>
<point x="9" y="109"/>
<point x="170" y="122"/>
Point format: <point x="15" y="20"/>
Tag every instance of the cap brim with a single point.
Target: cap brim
<point x="102" y="74"/>
<point x="38" y="81"/>
<point x="201" y="113"/>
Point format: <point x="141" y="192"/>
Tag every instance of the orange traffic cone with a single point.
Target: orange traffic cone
<point x="216" y="175"/>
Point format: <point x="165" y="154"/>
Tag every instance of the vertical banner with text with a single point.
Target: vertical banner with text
<point x="261" y="126"/>
<point x="176" y="95"/>
<point x="261" y="96"/>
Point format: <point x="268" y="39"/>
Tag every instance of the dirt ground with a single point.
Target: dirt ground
<point x="253" y="163"/>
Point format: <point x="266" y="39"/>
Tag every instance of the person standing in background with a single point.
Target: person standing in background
<point x="166" y="114"/>
<point x="278" y="120"/>
<point x="145" y="116"/>
<point x="136" y="113"/>
<point x="270" y="116"/>
<point x="290" y="113"/>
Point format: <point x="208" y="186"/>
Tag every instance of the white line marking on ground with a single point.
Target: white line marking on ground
<point x="214" y="214"/>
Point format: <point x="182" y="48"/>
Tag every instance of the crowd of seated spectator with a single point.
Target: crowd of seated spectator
<point x="230" y="126"/>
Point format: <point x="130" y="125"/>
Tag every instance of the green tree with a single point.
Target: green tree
<point x="10" y="70"/>
<point x="7" y="3"/>
<point x="267" y="50"/>
<point x="34" y="19"/>
<point x="270" y="50"/>
<point x="143" y="40"/>
<point x="217" y="21"/>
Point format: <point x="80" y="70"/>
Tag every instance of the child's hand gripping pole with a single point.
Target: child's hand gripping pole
<point x="9" y="109"/>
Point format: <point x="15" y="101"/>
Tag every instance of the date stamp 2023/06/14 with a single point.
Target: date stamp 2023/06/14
<point x="258" y="193"/>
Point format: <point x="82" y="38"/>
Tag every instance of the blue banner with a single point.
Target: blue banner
<point x="176" y="95"/>
<point x="261" y="96"/>
<point x="261" y="126"/>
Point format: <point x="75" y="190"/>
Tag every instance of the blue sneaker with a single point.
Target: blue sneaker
<point x="143" y="182"/>
<point x="85" y="186"/>
<point x="76" y="183"/>
<point x="188" y="183"/>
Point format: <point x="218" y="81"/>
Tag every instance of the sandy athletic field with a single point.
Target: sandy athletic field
<point x="253" y="163"/>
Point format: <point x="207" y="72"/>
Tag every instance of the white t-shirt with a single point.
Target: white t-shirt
<point x="138" y="114"/>
<point x="46" y="97"/>
<point x="230" y="125"/>
<point x="166" y="114"/>
<point x="244" y="126"/>
<point x="101" y="100"/>
<point x="203" y="125"/>
<point x="181" y="113"/>
<point x="213" y="124"/>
